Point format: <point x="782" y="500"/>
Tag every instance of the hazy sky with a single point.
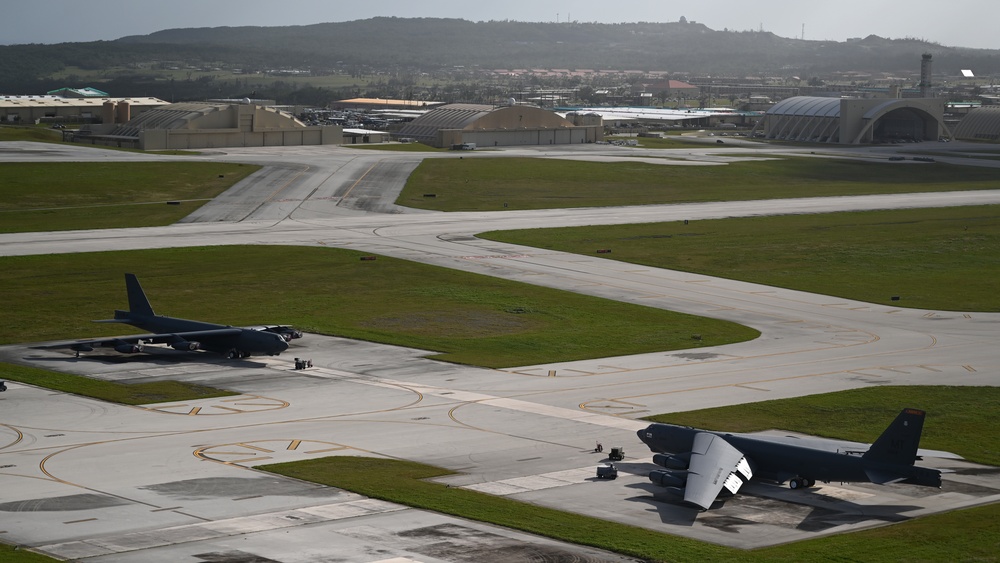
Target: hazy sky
<point x="959" y="23"/>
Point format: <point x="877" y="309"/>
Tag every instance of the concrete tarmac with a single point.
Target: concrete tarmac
<point x="99" y="482"/>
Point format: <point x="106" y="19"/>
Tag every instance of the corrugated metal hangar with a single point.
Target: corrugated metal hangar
<point x="850" y="121"/>
<point x="490" y="126"/>
<point x="981" y="124"/>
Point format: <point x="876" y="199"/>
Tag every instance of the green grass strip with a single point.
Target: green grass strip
<point x="466" y="318"/>
<point x="16" y="554"/>
<point x="944" y="258"/>
<point x="496" y="184"/>
<point x="125" y="394"/>
<point x="30" y="133"/>
<point x="55" y="196"/>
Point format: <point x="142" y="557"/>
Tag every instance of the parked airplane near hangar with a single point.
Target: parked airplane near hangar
<point x="182" y="334"/>
<point x="707" y="467"/>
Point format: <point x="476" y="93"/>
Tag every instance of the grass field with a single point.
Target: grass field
<point x="946" y="258"/>
<point x="467" y="318"/>
<point x="496" y="184"/>
<point x="967" y="535"/>
<point x="131" y="394"/>
<point x="29" y="133"/>
<point x="55" y="196"/>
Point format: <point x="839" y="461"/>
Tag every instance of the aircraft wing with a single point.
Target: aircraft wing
<point x="715" y="464"/>
<point x="122" y="343"/>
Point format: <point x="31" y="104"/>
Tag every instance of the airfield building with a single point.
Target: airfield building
<point x="64" y="109"/>
<point x="854" y="121"/>
<point x="201" y="125"/>
<point x="488" y="126"/>
<point x="980" y="124"/>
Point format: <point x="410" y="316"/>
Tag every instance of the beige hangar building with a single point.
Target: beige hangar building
<point x="202" y="125"/>
<point x="854" y="121"/>
<point x="61" y="109"/>
<point x="490" y="126"/>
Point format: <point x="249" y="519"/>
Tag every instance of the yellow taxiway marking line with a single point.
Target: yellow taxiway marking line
<point x="258" y="448"/>
<point x="355" y="184"/>
<point x="244" y="460"/>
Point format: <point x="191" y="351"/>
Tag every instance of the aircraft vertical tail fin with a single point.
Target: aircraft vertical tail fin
<point x="899" y="442"/>
<point x="137" y="302"/>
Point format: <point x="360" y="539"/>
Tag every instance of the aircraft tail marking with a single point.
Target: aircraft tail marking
<point x="899" y="442"/>
<point x="137" y="302"/>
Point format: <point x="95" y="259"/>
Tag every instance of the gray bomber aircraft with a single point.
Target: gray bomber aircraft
<point x="182" y="334"/>
<point x="707" y="467"/>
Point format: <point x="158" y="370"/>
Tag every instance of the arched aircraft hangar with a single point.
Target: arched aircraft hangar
<point x="854" y="121"/>
<point x="490" y="126"/>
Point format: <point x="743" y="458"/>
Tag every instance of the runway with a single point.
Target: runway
<point x="101" y="482"/>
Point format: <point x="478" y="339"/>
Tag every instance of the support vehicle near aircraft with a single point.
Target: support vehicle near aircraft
<point x="707" y="467"/>
<point x="183" y="334"/>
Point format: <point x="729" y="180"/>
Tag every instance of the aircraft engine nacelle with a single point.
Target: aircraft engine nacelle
<point x="678" y="461"/>
<point x="126" y="348"/>
<point x="185" y="345"/>
<point x="668" y="478"/>
<point x="82" y="348"/>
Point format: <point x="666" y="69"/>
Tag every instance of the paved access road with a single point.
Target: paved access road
<point x="86" y="479"/>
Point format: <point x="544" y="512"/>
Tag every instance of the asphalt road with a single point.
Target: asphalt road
<point x="85" y="479"/>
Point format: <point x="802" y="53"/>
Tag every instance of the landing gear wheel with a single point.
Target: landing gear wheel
<point x="795" y="484"/>
<point x="810" y="483"/>
<point x="233" y="354"/>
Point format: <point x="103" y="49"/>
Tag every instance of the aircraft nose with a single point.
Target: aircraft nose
<point x="642" y="434"/>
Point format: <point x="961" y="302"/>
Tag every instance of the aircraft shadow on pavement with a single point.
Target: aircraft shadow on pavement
<point x="809" y="510"/>
<point x="669" y="506"/>
<point x="151" y="357"/>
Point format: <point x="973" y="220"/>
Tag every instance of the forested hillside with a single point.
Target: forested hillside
<point x="675" y="47"/>
<point x="444" y="58"/>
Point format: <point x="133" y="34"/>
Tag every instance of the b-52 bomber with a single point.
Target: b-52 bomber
<point x="707" y="467"/>
<point x="182" y="334"/>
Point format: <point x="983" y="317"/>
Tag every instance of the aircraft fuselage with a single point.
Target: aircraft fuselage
<point x="777" y="460"/>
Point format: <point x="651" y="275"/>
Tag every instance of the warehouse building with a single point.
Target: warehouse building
<point x="489" y="126"/>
